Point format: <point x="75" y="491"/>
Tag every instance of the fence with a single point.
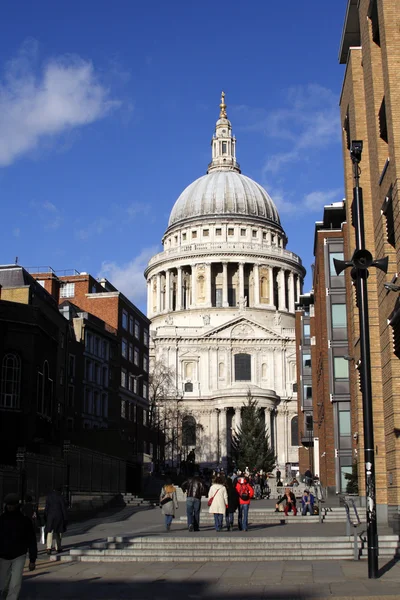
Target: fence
<point x="79" y="470"/>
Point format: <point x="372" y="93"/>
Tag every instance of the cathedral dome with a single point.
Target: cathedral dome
<point x="224" y="193"/>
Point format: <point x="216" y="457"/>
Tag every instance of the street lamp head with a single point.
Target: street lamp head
<point x="356" y="151"/>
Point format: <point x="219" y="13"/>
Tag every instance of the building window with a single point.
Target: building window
<point x="137" y="330"/>
<point x="264" y="235"/>
<point x="344" y="423"/>
<point x="123" y="409"/>
<point x="339" y="316"/>
<point x="71" y="366"/>
<point x="123" y="378"/>
<point x="231" y="231"/>
<point x="188" y="386"/>
<point x="337" y="256"/>
<point x="242" y="232"/>
<point x="242" y="367"/>
<point x="145" y="364"/>
<point x="88" y="370"/>
<point x="224" y="147"/>
<point x="41" y="282"/>
<point x="383" y="132"/>
<point x="67" y="290"/>
<point x="131" y="321"/>
<point x="218" y="231"/>
<point x="264" y="370"/>
<point x="144" y="394"/>
<point x="131" y="382"/>
<point x="184" y="237"/>
<point x="294" y="430"/>
<point x="176" y="240"/>
<point x="125" y="320"/>
<point x="307" y="396"/>
<point x="206" y="232"/>
<point x="194" y="235"/>
<point x="137" y="357"/>
<point x="306" y="361"/>
<point x="306" y="330"/>
<point x="188" y="431"/>
<point x="340" y="367"/>
<point x="387" y="211"/>
<point x="373" y="16"/>
<point x="130" y="352"/>
<point x="254" y="233"/>
<point x="124" y="348"/>
<point x="146" y="337"/>
<point x="10" y="381"/>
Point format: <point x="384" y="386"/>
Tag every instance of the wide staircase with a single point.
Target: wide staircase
<point x="225" y="548"/>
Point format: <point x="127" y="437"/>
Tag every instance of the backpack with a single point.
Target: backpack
<point x="244" y="495"/>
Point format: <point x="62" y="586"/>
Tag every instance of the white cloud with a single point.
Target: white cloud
<point x="96" y="227"/>
<point x="48" y="213"/>
<point x="128" y="277"/>
<point x="39" y="105"/>
<point x="312" y="202"/>
<point x="138" y="208"/>
<point x="309" y="121"/>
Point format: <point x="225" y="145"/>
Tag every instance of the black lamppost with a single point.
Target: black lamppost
<point x="361" y="260"/>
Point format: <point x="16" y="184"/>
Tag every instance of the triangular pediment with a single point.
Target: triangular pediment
<point x="242" y="328"/>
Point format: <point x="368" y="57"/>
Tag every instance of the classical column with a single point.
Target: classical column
<point x="271" y="286"/>
<point x="216" y="435"/>
<point x="179" y="290"/>
<point x="291" y="292"/>
<point x="267" y="418"/>
<point x="167" y="299"/>
<point x="208" y="284"/>
<point x="241" y="281"/>
<point x="238" y="417"/>
<point x="149" y="298"/>
<point x="158" y="292"/>
<point x="225" y="284"/>
<point x="298" y="287"/>
<point x="269" y="238"/>
<point x="223" y="435"/>
<point x="256" y="276"/>
<point x="281" y="290"/>
<point x="194" y="286"/>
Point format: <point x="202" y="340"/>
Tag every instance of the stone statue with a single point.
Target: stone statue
<point x="206" y="319"/>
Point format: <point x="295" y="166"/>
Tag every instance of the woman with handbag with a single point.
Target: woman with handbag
<point x="168" y="503"/>
<point x="218" y="501"/>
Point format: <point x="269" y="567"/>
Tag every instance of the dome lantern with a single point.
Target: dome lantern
<point x="223" y="144"/>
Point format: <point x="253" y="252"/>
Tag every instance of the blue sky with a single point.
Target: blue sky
<point x="107" y="111"/>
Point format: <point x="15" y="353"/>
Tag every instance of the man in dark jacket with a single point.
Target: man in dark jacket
<point x="16" y="537"/>
<point x="194" y="489"/>
<point x="56" y="518"/>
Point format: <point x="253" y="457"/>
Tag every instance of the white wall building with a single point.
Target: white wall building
<point x="221" y="299"/>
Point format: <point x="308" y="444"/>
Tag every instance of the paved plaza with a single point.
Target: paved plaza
<point x="196" y="580"/>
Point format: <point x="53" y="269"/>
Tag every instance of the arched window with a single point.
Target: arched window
<point x="294" y="426"/>
<point x="189" y="370"/>
<point x="189" y="431"/>
<point x="10" y="381"/>
<point x="221" y="370"/>
<point x="242" y="367"/>
<point x="264" y="370"/>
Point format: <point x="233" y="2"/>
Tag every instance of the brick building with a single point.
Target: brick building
<point x="370" y="111"/>
<point x="323" y="361"/>
<point x="33" y="356"/>
<point x="127" y="396"/>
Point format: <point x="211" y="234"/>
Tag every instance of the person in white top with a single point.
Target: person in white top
<point x="219" y="502"/>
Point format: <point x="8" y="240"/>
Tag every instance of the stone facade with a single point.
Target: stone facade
<point x="221" y="299"/>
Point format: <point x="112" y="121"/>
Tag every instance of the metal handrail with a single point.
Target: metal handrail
<point x="355" y="522"/>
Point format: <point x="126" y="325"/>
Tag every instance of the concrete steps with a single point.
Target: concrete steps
<point x="131" y="500"/>
<point x="222" y="547"/>
<point x="268" y="516"/>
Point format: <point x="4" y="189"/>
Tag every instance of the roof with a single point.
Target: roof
<point x="351" y="31"/>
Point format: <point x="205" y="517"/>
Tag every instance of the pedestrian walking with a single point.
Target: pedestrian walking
<point x="56" y="519"/>
<point x="168" y="503"/>
<point x="195" y="489"/>
<point x="218" y="501"/>
<point x="246" y="493"/>
<point x="16" y="538"/>
<point x="308" y="478"/>
<point x="233" y="504"/>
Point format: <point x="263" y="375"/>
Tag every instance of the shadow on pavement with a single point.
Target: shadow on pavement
<point x="394" y="561"/>
<point x="112" y="589"/>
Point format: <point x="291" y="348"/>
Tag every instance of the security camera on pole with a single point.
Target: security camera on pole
<point x="361" y="261"/>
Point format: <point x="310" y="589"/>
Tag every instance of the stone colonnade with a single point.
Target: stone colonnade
<point x="225" y="421"/>
<point x="223" y="284"/>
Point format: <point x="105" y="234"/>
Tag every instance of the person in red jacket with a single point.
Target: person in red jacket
<point x="245" y="493"/>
